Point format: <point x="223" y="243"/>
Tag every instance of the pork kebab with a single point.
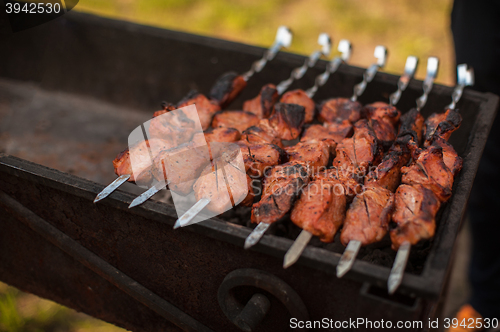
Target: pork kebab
<point x="225" y="89"/>
<point x="368" y="216"/>
<point x="427" y="183"/>
<point x="321" y="209"/>
<point x="281" y="191"/>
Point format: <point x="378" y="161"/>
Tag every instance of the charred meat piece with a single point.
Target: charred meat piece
<point x="166" y="107"/>
<point x="430" y="171"/>
<point x="314" y="154"/>
<point x="260" y="157"/>
<point x="227" y="88"/>
<point x="368" y="216"/>
<point x="224" y="184"/>
<point x="222" y="134"/>
<point x="359" y="152"/>
<point x="340" y="129"/>
<point x="205" y="108"/>
<point x="383" y="119"/>
<point x="388" y="173"/>
<point x="261" y="134"/>
<point x="320" y="133"/>
<point x="240" y="120"/>
<point x="262" y="105"/>
<point x="414" y="214"/>
<point x="301" y="98"/>
<point x="339" y="109"/>
<point x="381" y="110"/>
<point x="320" y="209"/>
<point x="442" y="125"/>
<point x="412" y="123"/>
<point x="139" y="168"/>
<point x="450" y="156"/>
<point x="287" y="120"/>
<point x="281" y="187"/>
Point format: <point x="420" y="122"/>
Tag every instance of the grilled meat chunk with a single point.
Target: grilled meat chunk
<point x="262" y="105"/>
<point x="181" y="166"/>
<point x="287" y="120"/>
<point x="314" y="154"/>
<point x="205" y="108"/>
<point x="359" y="152"/>
<point x="166" y="107"/>
<point x="227" y="88"/>
<point x="442" y="125"/>
<point x="341" y="129"/>
<point x="388" y="173"/>
<point x="301" y="98"/>
<point x="430" y="171"/>
<point x="175" y="127"/>
<point x="368" y="216"/>
<point x="141" y="159"/>
<point x="321" y="133"/>
<point x="240" y="120"/>
<point x="383" y="120"/>
<point x="415" y="209"/>
<point x="222" y="134"/>
<point x="261" y="134"/>
<point x="450" y="156"/>
<point x="221" y="182"/>
<point x="339" y="109"/>
<point x="320" y="209"/>
<point x="260" y="157"/>
<point x="281" y="187"/>
<point x="411" y="124"/>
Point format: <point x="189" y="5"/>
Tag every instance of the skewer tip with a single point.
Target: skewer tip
<point x="398" y="269"/>
<point x="256" y="235"/>
<point x="293" y="254"/>
<point x="348" y="257"/>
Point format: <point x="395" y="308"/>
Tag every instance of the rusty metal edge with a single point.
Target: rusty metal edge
<point x="101" y="267"/>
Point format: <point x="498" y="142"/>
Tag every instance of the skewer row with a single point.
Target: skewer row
<point x="339" y="117"/>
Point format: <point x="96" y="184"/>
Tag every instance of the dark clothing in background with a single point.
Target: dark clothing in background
<point x="476" y="32"/>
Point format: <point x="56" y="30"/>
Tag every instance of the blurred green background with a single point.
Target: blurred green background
<point x="405" y="27"/>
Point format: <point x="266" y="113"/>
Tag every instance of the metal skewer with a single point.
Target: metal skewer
<point x="352" y="249"/>
<point x="465" y="77"/>
<point x="301" y="242"/>
<point x="381" y="54"/>
<point x="304" y="237"/>
<point x="325" y="41"/>
<point x="345" y="49"/>
<point x="283" y="39"/>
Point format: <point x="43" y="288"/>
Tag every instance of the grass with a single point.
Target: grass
<point x="406" y="27"/>
<point x="23" y="312"/>
<point x="419" y="28"/>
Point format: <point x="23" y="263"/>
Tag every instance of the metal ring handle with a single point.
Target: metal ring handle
<point x="265" y="281"/>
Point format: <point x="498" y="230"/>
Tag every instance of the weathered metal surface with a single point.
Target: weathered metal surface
<point x="135" y="66"/>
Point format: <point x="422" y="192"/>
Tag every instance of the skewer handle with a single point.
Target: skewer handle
<point x="293" y="254"/>
<point x="465" y="77"/>
<point x="348" y="258"/>
<point x="404" y="80"/>
<point x="398" y="268"/>
<point x="381" y="55"/>
<point x="345" y="49"/>
<point x="326" y="45"/>
<point x="432" y="70"/>
<point x="283" y="39"/>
